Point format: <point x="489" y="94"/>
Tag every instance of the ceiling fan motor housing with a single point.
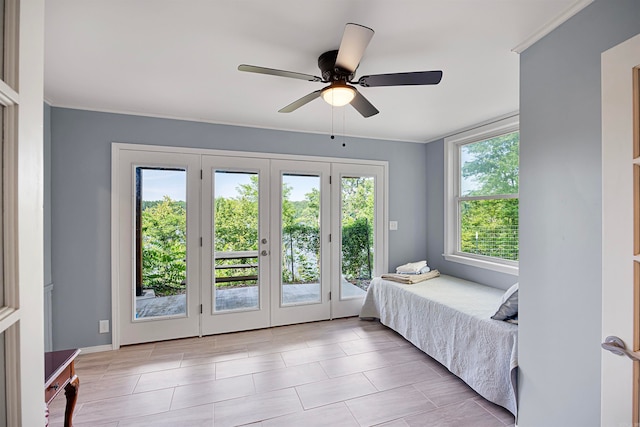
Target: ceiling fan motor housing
<point x="331" y="73"/>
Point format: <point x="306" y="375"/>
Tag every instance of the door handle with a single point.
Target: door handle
<point x="616" y="346"/>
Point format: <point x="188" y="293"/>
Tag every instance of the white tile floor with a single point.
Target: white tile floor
<point x="343" y="372"/>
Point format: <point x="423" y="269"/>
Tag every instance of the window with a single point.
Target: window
<point x="481" y="208"/>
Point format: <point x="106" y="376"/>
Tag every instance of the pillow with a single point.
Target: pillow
<point x="508" y="304"/>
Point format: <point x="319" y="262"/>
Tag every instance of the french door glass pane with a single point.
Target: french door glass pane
<point x="357" y="222"/>
<point x="161" y="245"/>
<point x="235" y="243"/>
<point x="300" y="282"/>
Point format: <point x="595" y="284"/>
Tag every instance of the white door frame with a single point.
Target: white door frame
<point x="617" y="225"/>
<point x="116" y="208"/>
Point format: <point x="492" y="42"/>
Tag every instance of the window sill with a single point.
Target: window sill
<point x="482" y="263"/>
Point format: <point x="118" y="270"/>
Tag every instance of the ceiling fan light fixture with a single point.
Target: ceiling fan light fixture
<point x="338" y="95"/>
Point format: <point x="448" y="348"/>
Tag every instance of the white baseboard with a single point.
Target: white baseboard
<point x="96" y="349"/>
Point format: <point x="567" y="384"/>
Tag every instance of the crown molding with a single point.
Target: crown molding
<point x="552" y="25"/>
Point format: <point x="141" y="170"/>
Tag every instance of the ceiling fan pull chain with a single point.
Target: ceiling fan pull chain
<point x="332" y="133"/>
<point x="344" y="130"/>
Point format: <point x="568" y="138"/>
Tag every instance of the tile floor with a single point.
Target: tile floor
<point x="344" y="372"/>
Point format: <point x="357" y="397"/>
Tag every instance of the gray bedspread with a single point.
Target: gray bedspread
<point x="450" y="320"/>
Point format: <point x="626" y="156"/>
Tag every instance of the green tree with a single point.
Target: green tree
<point x="235" y="225"/>
<point x="236" y="229"/>
<point x="494" y="165"/>
<point x="301" y="237"/>
<point x="164" y="246"/>
<point x="357" y="199"/>
<point x="301" y="253"/>
<point x="357" y="249"/>
<point x="357" y="227"/>
<point x="309" y="208"/>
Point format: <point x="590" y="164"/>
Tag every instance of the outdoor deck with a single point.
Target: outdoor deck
<point x="235" y="298"/>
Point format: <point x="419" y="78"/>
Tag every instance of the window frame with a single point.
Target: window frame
<point x="453" y="198"/>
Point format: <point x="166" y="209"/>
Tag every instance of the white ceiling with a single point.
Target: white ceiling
<point x="170" y="58"/>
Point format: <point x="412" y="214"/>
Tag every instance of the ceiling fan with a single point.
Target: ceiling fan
<point x="338" y="68"/>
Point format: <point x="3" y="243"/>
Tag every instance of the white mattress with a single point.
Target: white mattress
<point x="450" y="320"/>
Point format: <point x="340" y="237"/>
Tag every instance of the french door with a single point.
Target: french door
<point x="158" y="251"/>
<point x="300" y="224"/>
<point x="358" y="227"/>
<point x="235" y="244"/>
<point x="211" y="243"/>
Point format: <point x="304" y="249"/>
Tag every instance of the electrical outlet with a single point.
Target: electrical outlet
<point x="104" y="326"/>
<point x="393" y="225"/>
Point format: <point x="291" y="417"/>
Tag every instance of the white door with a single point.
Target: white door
<point x="358" y="230"/>
<point x="235" y="244"/>
<point x="158" y="195"/>
<point x="621" y="231"/>
<point x="300" y="247"/>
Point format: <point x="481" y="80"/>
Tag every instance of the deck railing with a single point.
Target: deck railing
<point x="236" y="255"/>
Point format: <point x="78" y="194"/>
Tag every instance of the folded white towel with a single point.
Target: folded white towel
<point x="423" y="270"/>
<point x="410" y="279"/>
<point x="411" y="267"/>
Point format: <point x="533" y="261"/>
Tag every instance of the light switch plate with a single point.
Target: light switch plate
<point x="393" y="225"/>
<point x="104" y="326"/>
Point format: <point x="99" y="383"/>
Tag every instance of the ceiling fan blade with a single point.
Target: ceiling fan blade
<point x="355" y="40"/>
<point x="363" y="106"/>
<point x="402" y="79"/>
<point x="300" y="102"/>
<point x="280" y="73"/>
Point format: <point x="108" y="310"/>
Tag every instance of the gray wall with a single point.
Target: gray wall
<point x="81" y="186"/>
<point x="435" y="227"/>
<point x="46" y="225"/>
<point x="560" y="216"/>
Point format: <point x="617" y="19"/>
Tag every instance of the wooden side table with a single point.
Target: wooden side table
<point x="59" y="373"/>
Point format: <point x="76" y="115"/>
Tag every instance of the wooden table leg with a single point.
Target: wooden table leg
<point x="71" y="393"/>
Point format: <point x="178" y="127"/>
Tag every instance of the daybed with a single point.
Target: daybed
<point x="450" y="320"/>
